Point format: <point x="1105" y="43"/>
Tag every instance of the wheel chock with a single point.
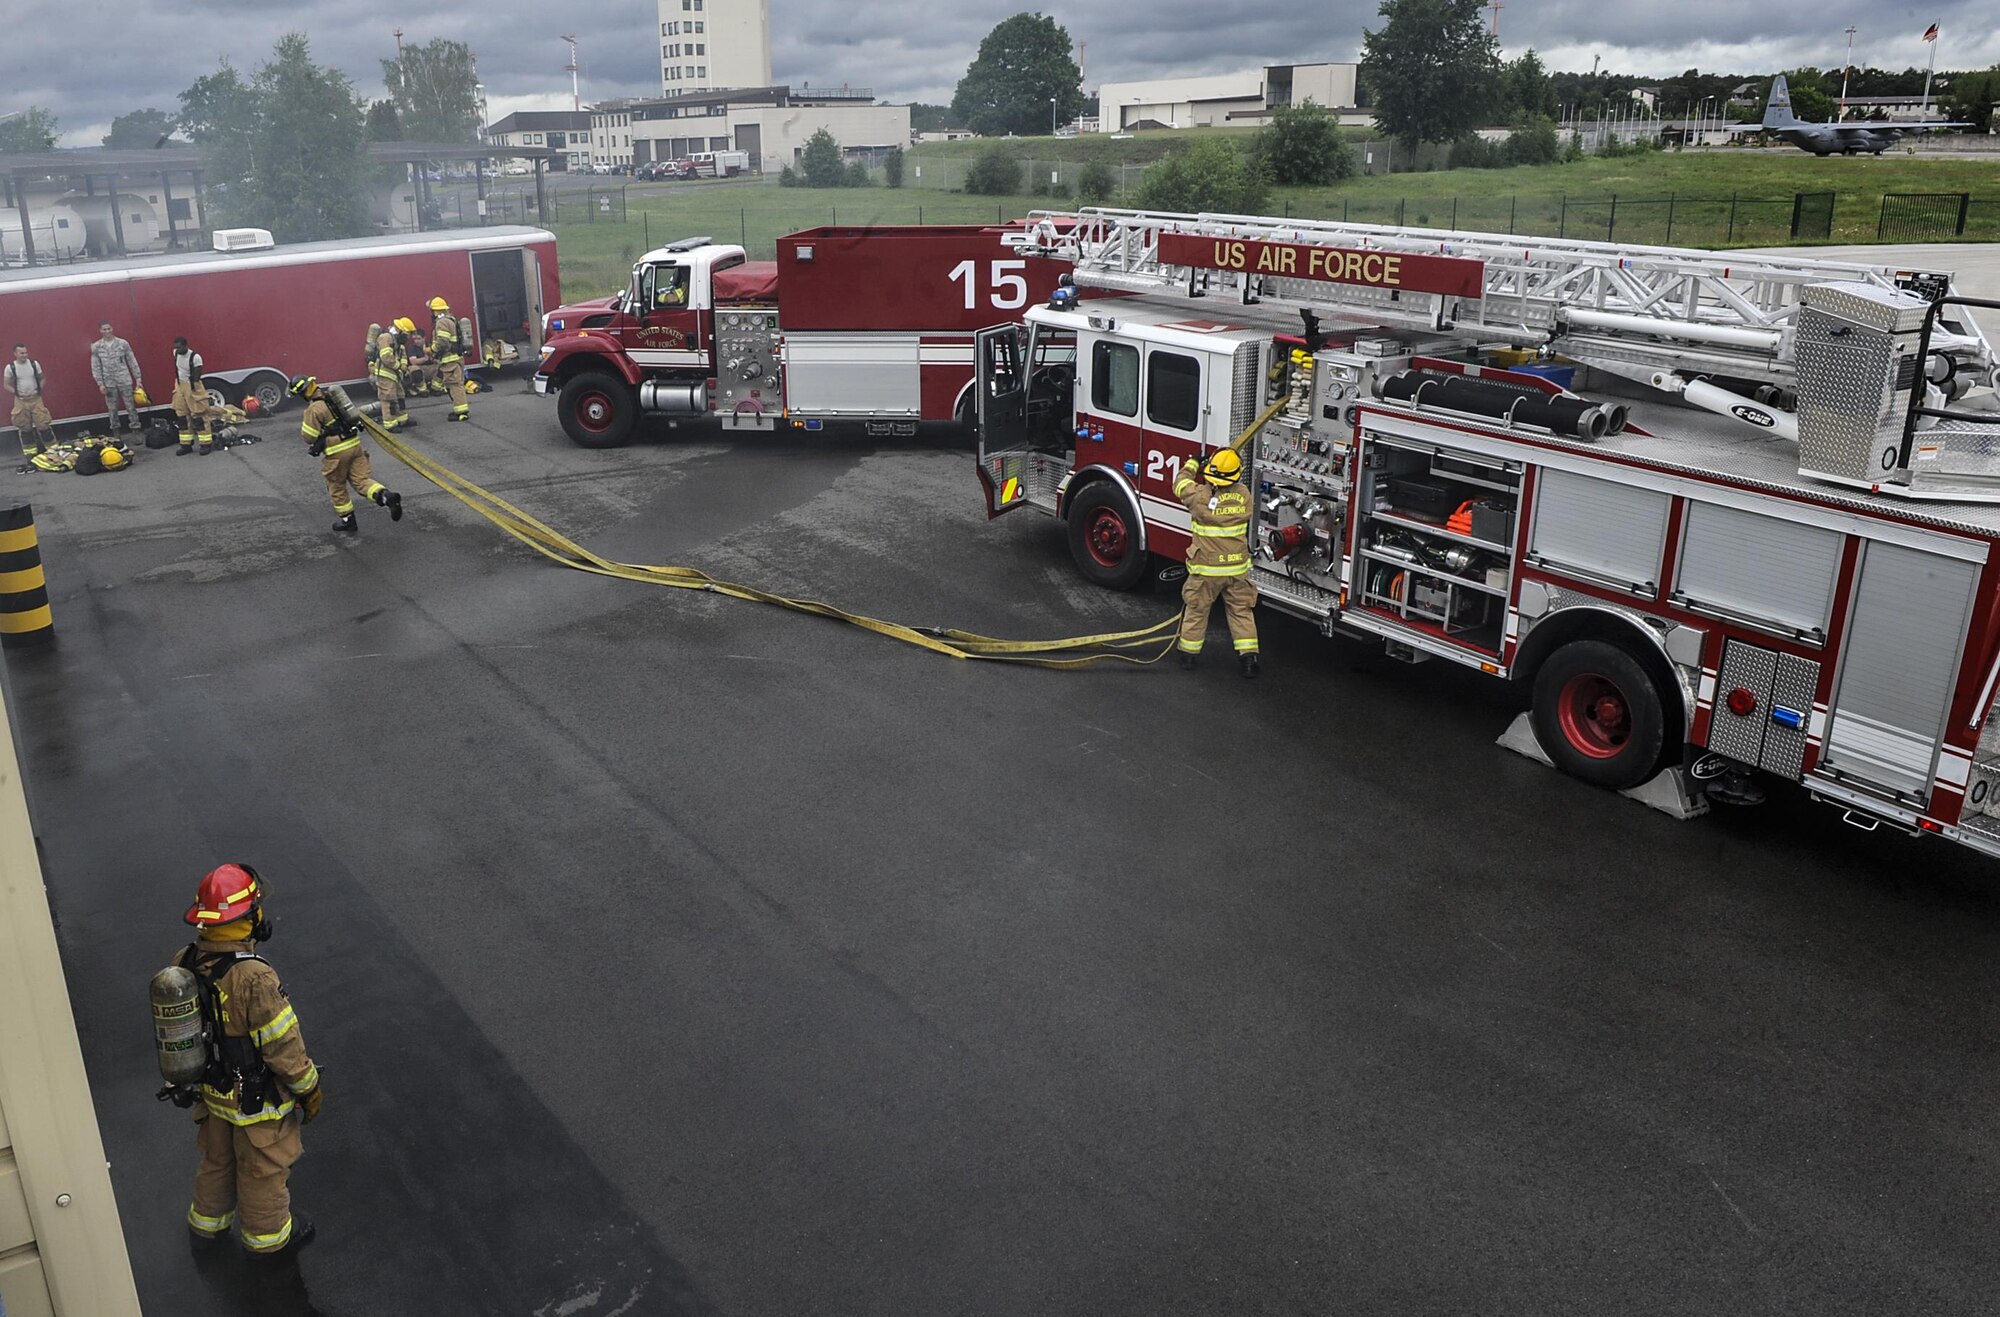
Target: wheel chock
<point x="1670" y="791"/>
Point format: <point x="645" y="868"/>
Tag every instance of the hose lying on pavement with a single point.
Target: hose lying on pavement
<point x="1110" y="646"/>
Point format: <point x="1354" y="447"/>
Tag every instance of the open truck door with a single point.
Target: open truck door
<point x="1022" y="406"/>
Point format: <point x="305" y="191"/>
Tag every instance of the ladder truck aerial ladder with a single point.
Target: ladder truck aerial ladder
<point x="1722" y="516"/>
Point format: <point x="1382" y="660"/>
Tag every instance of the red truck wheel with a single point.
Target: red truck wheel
<point x="1599" y="715"/>
<point x="597" y="410"/>
<point x="1104" y="540"/>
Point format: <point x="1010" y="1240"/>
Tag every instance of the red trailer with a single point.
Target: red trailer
<point x="868" y="324"/>
<point x="260" y="316"/>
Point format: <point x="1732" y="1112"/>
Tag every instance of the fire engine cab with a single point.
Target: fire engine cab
<point x="1721" y="515"/>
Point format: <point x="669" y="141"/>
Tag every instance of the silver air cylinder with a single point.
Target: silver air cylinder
<point x="673" y="396"/>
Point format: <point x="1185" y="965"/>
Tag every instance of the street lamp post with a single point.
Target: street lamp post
<point x="1052" y="116"/>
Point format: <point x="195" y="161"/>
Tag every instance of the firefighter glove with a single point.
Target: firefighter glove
<point x="310" y="1101"/>
<point x="317" y="447"/>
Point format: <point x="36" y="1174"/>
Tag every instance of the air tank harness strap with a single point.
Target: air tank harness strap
<point x="1146" y="645"/>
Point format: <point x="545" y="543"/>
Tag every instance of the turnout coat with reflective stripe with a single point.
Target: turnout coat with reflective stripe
<point x="254" y="1006"/>
<point x="1218" y="522"/>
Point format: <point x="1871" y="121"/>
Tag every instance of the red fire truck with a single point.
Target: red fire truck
<point x="848" y="324"/>
<point x="1720" y="515"/>
<point x="260" y="313"/>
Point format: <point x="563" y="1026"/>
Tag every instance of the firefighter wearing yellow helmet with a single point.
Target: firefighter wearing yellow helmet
<point x="1218" y="557"/>
<point x="332" y="431"/>
<point x="450" y="356"/>
<point x="419" y="370"/>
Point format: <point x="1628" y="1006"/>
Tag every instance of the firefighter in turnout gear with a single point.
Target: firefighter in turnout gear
<point x="191" y="405"/>
<point x="260" y="1085"/>
<point x="332" y="431"/>
<point x="1218" y="559"/>
<point x="387" y="368"/>
<point x="419" y="371"/>
<point x="450" y="356"/>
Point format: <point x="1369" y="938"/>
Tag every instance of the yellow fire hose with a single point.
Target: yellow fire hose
<point x="949" y="641"/>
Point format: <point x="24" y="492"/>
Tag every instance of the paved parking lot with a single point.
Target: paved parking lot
<point x="668" y="954"/>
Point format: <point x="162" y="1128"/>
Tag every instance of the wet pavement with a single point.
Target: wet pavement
<point x="669" y="954"/>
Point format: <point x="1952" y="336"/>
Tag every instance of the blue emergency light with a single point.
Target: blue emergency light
<point x="1784" y="717"/>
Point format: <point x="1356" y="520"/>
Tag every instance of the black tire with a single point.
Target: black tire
<point x="597" y="410"/>
<point x="1104" y="540"/>
<point x="1599" y="714"/>
<point x="218" y="394"/>
<point x="270" y="389"/>
<point x="967" y="414"/>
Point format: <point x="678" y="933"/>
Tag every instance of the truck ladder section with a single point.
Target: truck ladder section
<point x="1665" y="317"/>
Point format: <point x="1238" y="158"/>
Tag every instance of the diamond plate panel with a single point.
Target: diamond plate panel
<point x="1885" y="310"/>
<point x="1300" y="594"/>
<point x="1844" y="373"/>
<point x="1982" y="790"/>
<point x="1956" y="455"/>
<point x="1754" y="669"/>
<point x="1793" y="687"/>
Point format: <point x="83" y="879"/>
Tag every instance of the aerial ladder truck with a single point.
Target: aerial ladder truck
<point x="1724" y="517"/>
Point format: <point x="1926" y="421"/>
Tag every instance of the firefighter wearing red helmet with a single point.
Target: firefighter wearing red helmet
<point x="260" y="1085"/>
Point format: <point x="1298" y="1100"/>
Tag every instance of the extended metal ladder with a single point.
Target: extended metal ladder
<point x="1632" y="310"/>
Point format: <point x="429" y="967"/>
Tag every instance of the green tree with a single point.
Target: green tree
<point x="1534" y="143"/>
<point x="892" y="167"/>
<point x="140" y="130"/>
<point x="932" y="118"/>
<point x="434" y="89"/>
<point x="1210" y="175"/>
<point x="1971" y="97"/>
<point x="1431" y="70"/>
<point x="856" y="175"/>
<point x="220" y="115"/>
<point x="1022" y="65"/>
<point x="384" y="125"/>
<point x="1525" y="86"/>
<point x="35" y="130"/>
<point x="994" y="174"/>
<point x="1302" y="146"/>
<point x="1812" y="104"/>
<point x="1096" y="183"/>
<point x="820" y="164"/>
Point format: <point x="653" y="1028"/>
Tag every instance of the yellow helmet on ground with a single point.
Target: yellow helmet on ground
<point x="139" y="396"/>
<point x="112" y="458"/>
<point x="407" y="325"/>
<point x="439" y="306"/>
<point x="1225" y="467"/>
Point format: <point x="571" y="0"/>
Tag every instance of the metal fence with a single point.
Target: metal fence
<point x="1639" y="221"/>
<point x="1922" y="216"/>
<point x="591" y="206"/>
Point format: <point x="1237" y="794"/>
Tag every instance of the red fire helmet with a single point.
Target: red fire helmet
<point x="227" y="894"/>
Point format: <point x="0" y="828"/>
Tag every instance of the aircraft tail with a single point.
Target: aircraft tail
<point x="1778" y="111"/>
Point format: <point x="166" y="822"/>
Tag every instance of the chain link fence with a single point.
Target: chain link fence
<point x="1923" y="216"/>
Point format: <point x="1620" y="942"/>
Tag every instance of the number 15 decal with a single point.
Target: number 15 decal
<point x="1009" y="285"/>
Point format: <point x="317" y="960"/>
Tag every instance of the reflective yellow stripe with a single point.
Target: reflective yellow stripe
<point x="345" y="445"/>
<point x="1188" y="646"/>
<point x="209" y="1225"/>
<point x="223" y="1106"/>
<point x="309" y="431"/>
<point x="280" y="1024"/>
<point x="310" y="1082"/>
<point x="1237" y="570"/>
<point x="1224" y="531"/>
<point x="1246" y="646"/>
<point x="270" y="1243"/>
<point x="1182" y="486"/>
<point x="13" y="541"/>
<point x="16" y="582"/>
<point x="14" y="624"/>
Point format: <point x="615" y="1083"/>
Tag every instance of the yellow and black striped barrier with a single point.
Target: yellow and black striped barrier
<point x="25" y="619"/>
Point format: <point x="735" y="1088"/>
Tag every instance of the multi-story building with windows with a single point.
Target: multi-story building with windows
<point x="567" y="131"/>
<point x="708" y="45"/>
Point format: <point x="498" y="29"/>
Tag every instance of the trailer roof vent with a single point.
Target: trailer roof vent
<point x="243" y="240"/>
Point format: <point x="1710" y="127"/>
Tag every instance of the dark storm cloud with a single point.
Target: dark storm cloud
<point x="905" y="49"/>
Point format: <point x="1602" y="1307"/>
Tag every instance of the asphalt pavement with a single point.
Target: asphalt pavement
<point x="668" y="954"/>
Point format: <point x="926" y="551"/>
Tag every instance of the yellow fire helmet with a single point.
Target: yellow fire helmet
<point x="439" y="306"/>
<point x="112" y="458"/>
<point x="1224" y="468"/>
<point x="139" y="396"/>
<point x="407" y="325"/>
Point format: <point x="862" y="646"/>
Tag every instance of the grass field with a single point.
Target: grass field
<point x="1724" y="198"/>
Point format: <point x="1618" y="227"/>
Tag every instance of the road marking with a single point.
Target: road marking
<point x="1732" y="1203"/>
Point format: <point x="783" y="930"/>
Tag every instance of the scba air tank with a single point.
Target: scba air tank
<point x="177" y="1027"/>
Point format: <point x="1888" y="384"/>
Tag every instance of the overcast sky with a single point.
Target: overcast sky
<point x="88" y="60"/>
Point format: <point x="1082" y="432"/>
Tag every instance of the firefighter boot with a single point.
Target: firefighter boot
<point x="391" y="500"/>
<point x="303" y="1233"/>
<point x="346" y="524"/>
<point x="183" y="450"/>
<point x="1248" y="665"/>
<point x="1189" y="662"/>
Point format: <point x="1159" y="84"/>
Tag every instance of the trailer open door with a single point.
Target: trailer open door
<point x="531" y="278"/>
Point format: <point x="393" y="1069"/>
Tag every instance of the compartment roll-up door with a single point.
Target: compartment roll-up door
<point x="1599" y="527"/>
<point x="1897" y="665"/>
<point x="1759" y="568"/>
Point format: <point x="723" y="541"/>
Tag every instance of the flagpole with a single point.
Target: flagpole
<point x="1928" y="69"/>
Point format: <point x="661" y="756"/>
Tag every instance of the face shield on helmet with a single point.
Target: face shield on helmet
<point x="1225" y="467"/>
<point x="305" y="386"/>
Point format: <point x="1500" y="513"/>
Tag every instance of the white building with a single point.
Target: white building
<point x="1226" y="98"/>
<point x="709" y="45"/>
<point x="769" y="124"/>
<point x="611" y="133"/>
<point x="567" y="131"/>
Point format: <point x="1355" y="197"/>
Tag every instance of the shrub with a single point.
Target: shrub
<point x="1475" y="152"/>
<point x="1209" y="175"/>
<point x="892" y="167"/>
<point x="1059" y="190"/>
<point x="788" y="177"/>
<point x="1533" y="143"/>
<point x="819" y="162"/>
<point x="857" y="174"/>
<point x="1303" y="146"/>
<point x="994" y="174"/>
<point x="1096" y="182"/>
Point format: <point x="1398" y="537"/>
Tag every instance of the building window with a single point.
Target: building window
<point x="701" y="47"/>
<point x="701" y="71"/>
<point x="700" y="26"/>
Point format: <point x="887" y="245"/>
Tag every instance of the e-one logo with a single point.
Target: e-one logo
<point x="1754" y="415"/>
